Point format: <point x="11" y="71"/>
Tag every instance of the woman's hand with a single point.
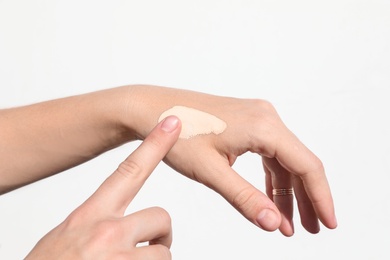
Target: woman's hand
<point x="53" y="136"/>
<point x="252" y="125"/>
<point x="98" y="229"/>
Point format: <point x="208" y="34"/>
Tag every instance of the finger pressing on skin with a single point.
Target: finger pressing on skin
<point x="300" y="161"/>
<point x="249" y="201"/>
<point x="115" y="194"/>
<point x="151" y="225"/>
<point x="279" y="178"/>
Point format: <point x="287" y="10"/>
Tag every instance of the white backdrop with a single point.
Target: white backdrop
<point x="325" y="65"/>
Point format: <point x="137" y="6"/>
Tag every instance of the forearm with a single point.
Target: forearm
<point x="42" y="139"/>
<point x="39" y="140"/>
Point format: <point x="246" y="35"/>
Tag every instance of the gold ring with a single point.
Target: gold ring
<point x="282" y="192"/>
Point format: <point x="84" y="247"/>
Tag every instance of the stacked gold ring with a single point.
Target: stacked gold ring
<point x="282" y="192"/>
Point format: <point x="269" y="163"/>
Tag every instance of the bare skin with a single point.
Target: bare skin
<point x="87" y="125"/>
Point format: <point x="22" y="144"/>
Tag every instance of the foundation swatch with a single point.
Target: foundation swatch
<point x="195" y="122"/>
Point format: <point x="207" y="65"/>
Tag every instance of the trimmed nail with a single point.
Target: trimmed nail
<point x="170" y="124"/>
<point x="268" y="220"/>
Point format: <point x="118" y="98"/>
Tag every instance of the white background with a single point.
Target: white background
<point x="325" y="65"/>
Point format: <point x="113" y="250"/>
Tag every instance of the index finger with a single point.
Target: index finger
<point x="119" y="189"/>
<point x="299" y="160"/>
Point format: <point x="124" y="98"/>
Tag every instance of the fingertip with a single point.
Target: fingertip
<point x="170" y="124"/>
<point x="332" y="224"/>
<point x="315" y="230"/>
<point x="327" y="216"/>
<point x="287" y="227"/>
<point x="269" y="219"/>
<point x="312" y="226"/>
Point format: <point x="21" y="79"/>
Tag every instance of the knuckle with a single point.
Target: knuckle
<point x="106" y="232"/>
<point x="75" y="219"/>
<point x="245" y="200"/>
<point x="265" y="107"/>
<point x="316" y="166"/>
<point x="129" y="168"/>
<point x="267" y="122"/>
<point x="163" y="216"/>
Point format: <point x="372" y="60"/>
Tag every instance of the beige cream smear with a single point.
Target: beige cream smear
<point x="195" y="122"/>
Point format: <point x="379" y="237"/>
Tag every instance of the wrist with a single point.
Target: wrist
<point x="133" y="116"/>
<point x="141" y="108"/>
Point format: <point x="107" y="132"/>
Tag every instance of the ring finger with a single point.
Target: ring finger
<point x="279" y="189"/>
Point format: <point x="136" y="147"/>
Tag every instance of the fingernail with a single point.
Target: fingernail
<point x="170" y="124"/>
<point x="268" y="220"/>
